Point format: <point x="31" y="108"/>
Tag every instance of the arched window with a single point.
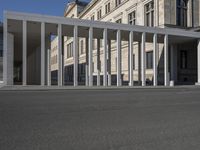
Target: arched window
<point x="181" y="15"/>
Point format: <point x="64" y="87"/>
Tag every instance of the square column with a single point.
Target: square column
<point x="60" y="56"/>
<point x="139" y="63"/>
<point x="143" y="59"/>
<point x="8" y="55"/>
<point x="109" y="64"/>
<point x="42" y="81"/>
<point x="75" y="51"/>
<point x="105" y="39"/>
<point x="98" y="62"/>
<point x="5" y="48"/>
<point x="119" y="81"/>
<point x="90" y="56"/>
<point x="166" y="70"/>
<point x="130" y="58"/>
<point x="198" y="62"/>
<point x="48" y="67"/>
<point x="87" y="62"/>
<point x="24" y="54"/>
<point x="155" y="51"/>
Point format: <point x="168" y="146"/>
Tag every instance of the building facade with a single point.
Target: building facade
<point x="175" y="14"/>
<point x="104" y="43"/>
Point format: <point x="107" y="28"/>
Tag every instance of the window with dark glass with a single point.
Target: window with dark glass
<point x="70" y="50"/>
<point x="99" y="15"/>
<point x="92" y="18"/>
<point x="183" y="60"/>
<point x="107" y="8"/>
<point x="133" y="61"/>
<point x="149" y="14"/>
<point x="181" y="13"/>
<point x="117" y="2"/>
<point x="149" y="60"/>
<point x="119" y="21"/>
<point x="81" y="47"/>
<point x="132" y="18"/>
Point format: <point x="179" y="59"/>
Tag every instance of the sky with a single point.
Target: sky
<point x="48" y="7"/>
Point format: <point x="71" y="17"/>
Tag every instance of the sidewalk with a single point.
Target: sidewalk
<point x="45" y="88"/>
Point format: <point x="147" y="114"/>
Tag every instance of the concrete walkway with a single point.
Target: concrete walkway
<point x="44" y="88"/>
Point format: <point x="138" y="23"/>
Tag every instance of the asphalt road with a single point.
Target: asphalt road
<point x="119" y="119"/>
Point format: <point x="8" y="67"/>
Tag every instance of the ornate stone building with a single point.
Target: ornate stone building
<point x="177" y="14"/>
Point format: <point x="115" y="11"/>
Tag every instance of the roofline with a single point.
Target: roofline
<point x="88" y="7"/>
<point x="98" y="24"/>
<point x="66" y="13"/>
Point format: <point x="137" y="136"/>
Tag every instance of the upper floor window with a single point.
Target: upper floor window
<point x="92" y="17"/>
<point x="99" y="15"/>
<point x="181" y="14"/>
<point x="107" y="8"/>
<point x="149" y="14"/>
<point x="119" y="21"/>
<point x="117" y="2"/>
<point x="132" y="18"/>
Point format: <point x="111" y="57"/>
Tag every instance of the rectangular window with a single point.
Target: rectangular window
<point x="132" y="18"/>
<point x="70" y="50"/>
<point x="149" y="14"/>
<point x="133" y="61"/>
<point x="107" y="8"/>
<point x="183" y="60"/>
<point x="81" y="47"/>
<point x="117" y="2"/>
<point x="99" y="15"/>
<point x="181" y="12"/>
<point x="119" y="21"/>
<point x="92" y="18"/>
<point x="149" y="60"/>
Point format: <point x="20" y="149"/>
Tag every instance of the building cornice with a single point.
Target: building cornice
<point x="88" y="7"/>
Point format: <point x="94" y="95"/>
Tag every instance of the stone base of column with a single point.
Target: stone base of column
<point x="197" y="83"/>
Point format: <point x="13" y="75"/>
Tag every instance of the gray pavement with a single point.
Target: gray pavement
<point x="100" y="119"/>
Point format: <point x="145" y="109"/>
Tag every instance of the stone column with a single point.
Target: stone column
<point x="75" y="51"/>
<point x="119" y="81"/>
<point x="105" y="39"/>
<point x="172" y="64"/>
<point x="91" y="56"/>
<point x="60" y="57"/>
<point x="5" y="49"/>
<point x="166" y="70"/>
<point x="130" y="58"/>
<point x="24" y="53"/>
<point x="143" y="59"/>
<point x="87" y="62"/>
<point x="139" y="63"/>
<point x="198" y="64"/>
<point x="42" y="81"/>
<point x="98" y="62"/>
<point x="49" y="66"/>
<point x="109" y="64"/>
<point x="155" y="67"/>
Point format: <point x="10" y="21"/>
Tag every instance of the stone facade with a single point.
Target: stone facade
<point x="165" y="16"/>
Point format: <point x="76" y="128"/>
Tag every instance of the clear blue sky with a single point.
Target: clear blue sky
<point x="49" y="7"/>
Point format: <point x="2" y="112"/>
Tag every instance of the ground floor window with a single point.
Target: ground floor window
<point x="183" y="59"/>
<point x="149" y="60"/>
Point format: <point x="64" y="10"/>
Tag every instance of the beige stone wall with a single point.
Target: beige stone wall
<point x="164" y="13"/>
